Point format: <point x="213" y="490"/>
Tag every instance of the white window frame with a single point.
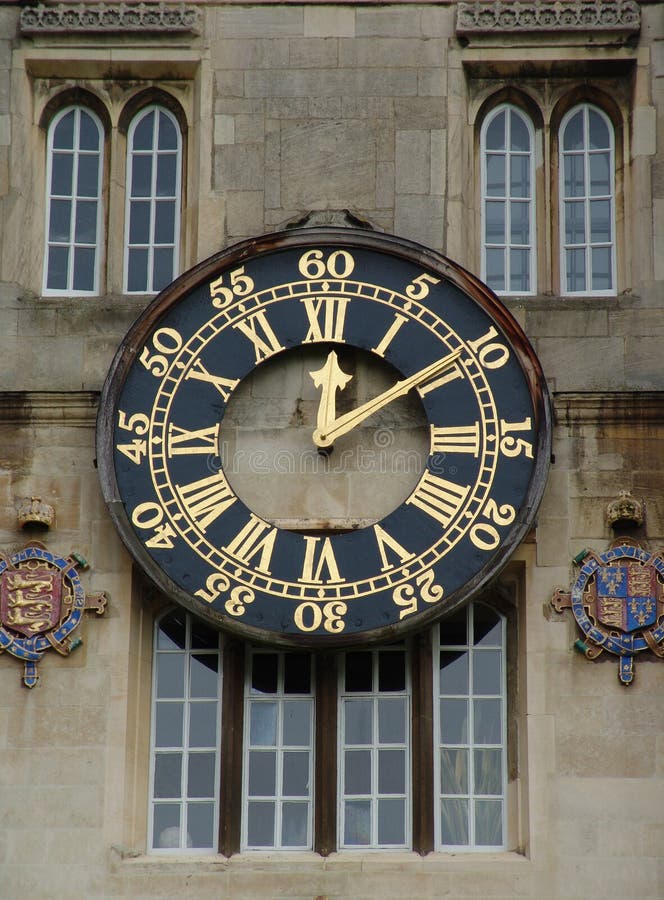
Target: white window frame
<point x="470" y="745"/>
<point x="374" y="695"/>
<point x="585" y="108"/>
<point x="72" y="244"/>
<point x="278" y="799"/>
<point x="152" y="197"/>
<point x="508" y="109"/>
<point x="188" y="652"/>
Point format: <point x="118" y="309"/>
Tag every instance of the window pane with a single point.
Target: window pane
<point x="454" y="721"/>
<point x="200" y="779"/>
<point x="296" y="773"/>
<point x="600" y="221"/>
<point x="601" y="261"/>
<point x="488" y="823"/>
<point x="357" y="772"/>
<point x="63" y="134"/>
<point x="495" y="133"/>
<point x="454" y="672"/>
<point x="392" y="821"/>
<point x="200" y="825"/>
<point x="391" y="771"/>
<point x="495" y="269"/>
<point x="141" y="177"/>
<point x="453" y="630"/>
<point x="573" y="137"/>
<point x="62" y="167"/>
<point x="519" y="270"/>
<point x="495" y="175"/>
<point x="137" y="275"/>
<point x="574" y="176"/>
<point x="487" y="721"/>
<point x="454" y="821"/>
<point x="495" y="222"/>
<point x="391" y="720"/>
<point x="297" y="722"/>
<point x="84" y="269"/>
<point x="89" y="133"/>
<point x="487" y="630"/>
<point x="204" y="675"/>
<point x="203" y="724"/>
<point x="164" y="222"/>
<point x="166" y="175"/>
<point x="172" y="632"/>
<point x="576" y="270"/>
<point x="167" y="134"/>
<point x="59" y="226"/>
<point x="143" y="134"/>
<point x="453" y="771"/>
<point x="359" y="672"/>
<point x="170" y="674"/>
<point x="391" y="671"/>
<point x="575" y="224"/>
<point x="520" y="222"/>
<point x="86" y="221"/>
<point x="88" y="176"/>
<point x="294" y="818"/>
<point x="166" y="825"/>
<point x="163" y="268"/>
<point x="358" y="721"/>
<point x="487" y="677"/>
<point x="139" y="222"/>
<point x="264" y="673"/>
<point x="297" y="673"/>
<point x="488" y="771"/>
<point x="520" y="176"/>
<point x="262" y="773"/>
<point x="600" y="174"/>
<point x="168" y="724"/>
<point x="263" y="724"/>
<point x="357" y="822"/>
<point x="167" y="774"/>
<point x="203" y="637"/>
<point x="520" y="139"/>
<point x="598" y="132"/>
<point x="260" y="824"/>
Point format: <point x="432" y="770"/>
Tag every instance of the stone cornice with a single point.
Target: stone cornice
<point x="491" y="16"/>
<point x="109" y="17"/>
<point x="610" y="408"/>
<point x="65" y="408"/>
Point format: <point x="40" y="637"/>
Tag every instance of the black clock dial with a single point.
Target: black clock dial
<point x="446" y="337"/>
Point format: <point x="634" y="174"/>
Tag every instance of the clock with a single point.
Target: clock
<point x="334" y="298"/>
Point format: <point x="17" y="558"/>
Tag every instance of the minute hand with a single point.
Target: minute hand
<point x="343" y="424"/>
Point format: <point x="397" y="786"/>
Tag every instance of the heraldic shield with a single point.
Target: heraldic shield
<point x="42" y="602"/>
<point x="618" y="603"/>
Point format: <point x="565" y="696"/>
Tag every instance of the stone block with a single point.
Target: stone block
<point x="314" y="53"/>
<point x="244" y="212"/>
<point x="331" y="82"/>
<point x="239" y="167"/>
<point x="325" y="108"/>
<point x="329" y="21"/>
<point x="385" y="52"/>
<point x="567" y="323"/>
<point x="413" y="162"/>
<point x="258" y="21"/>
<point x="224" y="129"/>
<point x="643" y="363"/>
<point x="256" y="53"/>
<point x="583" y="364"/>
<point x="386" y="21"/>
<point x="644" y="140"/>
<point x="385" y="185"/>
<point x="420" y="218"/>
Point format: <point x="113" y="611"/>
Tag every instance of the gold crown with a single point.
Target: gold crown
<point x="32" y="511"/>
<point x="625" y="509"/>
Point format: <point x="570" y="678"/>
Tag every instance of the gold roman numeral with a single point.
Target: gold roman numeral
<point x="438" y="497"/>
<point x="259" y="331"/>
<point x="316" y="560"/>
<point x="389" y="335"/>
<point x="181" y="441"/>
<point x="450" y="374"/>
<point x="456" y="439"/>
<point x="223" y="385"/>
<point x="255" y="537"/>
<point x="326" y="317"/>
<point x="205" y="500"/>
<point x="385" y="542"/>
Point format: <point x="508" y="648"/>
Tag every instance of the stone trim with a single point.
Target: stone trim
<point x="611" y="408"/>
<point x="109" y="17"/>
<point x="482" y="16"/>
<point x="65" y="408"/>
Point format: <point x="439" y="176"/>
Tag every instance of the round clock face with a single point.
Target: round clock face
<point x="333" y="305"/>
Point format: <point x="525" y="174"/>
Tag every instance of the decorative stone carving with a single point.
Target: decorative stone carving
<point x="625" y="510"/>
<point x="548" y="15"/>
<point x="76" y="17"/>
<point x="33" y="512"/>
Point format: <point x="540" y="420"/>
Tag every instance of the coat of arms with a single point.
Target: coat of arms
<point x="618" y="603"/>
<point x="41" y="603"/>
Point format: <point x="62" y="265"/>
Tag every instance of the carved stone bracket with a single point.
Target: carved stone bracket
<point x="483" y="16"/>
<point x="109" y="17"/>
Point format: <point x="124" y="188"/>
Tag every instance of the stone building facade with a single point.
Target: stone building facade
<point x="389" y="117"/>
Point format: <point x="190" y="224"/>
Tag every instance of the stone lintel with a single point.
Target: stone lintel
<point x="609" y="408"/>
<point x="66" y="408"/>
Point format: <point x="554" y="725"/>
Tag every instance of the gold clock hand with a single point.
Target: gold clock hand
<point x="331" y="378"/>
<point x="325" y="437"/>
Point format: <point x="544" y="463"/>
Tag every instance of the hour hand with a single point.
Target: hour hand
<point x="331" y="378"/>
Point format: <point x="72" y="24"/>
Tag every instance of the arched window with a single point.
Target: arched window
<point x="508" y="201"/>
<point x="471" y="730"/>
<point x="186" y="708"/>
<point x="152" y="219"/>
<point x="587" y="202"/>
<point x="73" y="202"/>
